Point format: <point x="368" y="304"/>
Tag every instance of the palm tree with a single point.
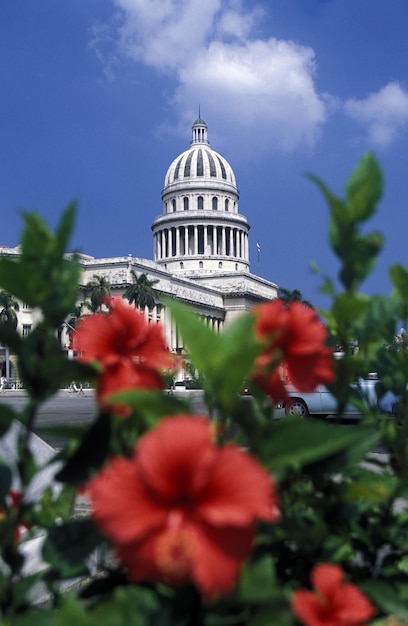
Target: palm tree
<point x="98" y="289"/>
<point x="141" y="292"/>
<point x="8" y="317"/>
<point x="288" y="296"/>
<point x="9" y="308"/>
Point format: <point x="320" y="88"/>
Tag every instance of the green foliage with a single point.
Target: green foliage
<point x="141" y="291"/>
<point x="357" y="252"/>
<point x="339" y="503"/>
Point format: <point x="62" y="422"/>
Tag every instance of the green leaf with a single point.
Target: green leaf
<point x="71" y="611"/>
<point x="67" y="546"/>
<point x="90" y="454"/>
<point x="294" y="442"/>
<point x="386" y="597"/>
<point x="7" y="416"/>
<point x="200" y="339"/>
<point x="364" y="189"/>
<point x="22" y="588"/>
<point x="223" y="359"/>
<point x="42" y="276"/>
<point x="257" y="581"/>
<point x="39" y="617"/>
<point x="10" y="337"/>
<point x="152" y="403"/>
<point x="5" y="483"/>
<point x="130" y="606"/>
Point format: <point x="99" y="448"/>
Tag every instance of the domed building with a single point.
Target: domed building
<point x="200" y="247"/>
<point x="201" y="230"/>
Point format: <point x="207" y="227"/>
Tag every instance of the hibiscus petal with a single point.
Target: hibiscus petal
<point x="326" y="578"/>
<point x="122" y="508"/>
<point x="238" y="491"/>
<point x="175" y="457"/>
<point x="309" y="609"/>
<point x="220" y="554"/>
<point x="356" y="608"/>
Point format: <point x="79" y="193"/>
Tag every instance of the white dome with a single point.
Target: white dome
<point x="199" y="163"/>
<point x="200" y="231"/>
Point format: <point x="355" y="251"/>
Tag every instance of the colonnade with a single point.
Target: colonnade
<point x="201" y="239"/>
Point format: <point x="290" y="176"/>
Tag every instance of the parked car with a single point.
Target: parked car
<point x="321" y="402"/>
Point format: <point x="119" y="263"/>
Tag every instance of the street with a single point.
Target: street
<point x="71" y="408"/>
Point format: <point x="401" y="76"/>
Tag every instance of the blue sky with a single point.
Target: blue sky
<point x="97" y="97"/>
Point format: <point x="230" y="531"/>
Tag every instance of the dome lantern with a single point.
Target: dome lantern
<point x="200" y="134"/>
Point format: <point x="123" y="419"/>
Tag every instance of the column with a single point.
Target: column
<point x="205" y="239"/>
<point x="223" y="242"/>
<point x="178" y="241"/>
<point x="170" y="243"/>
<point x="195" y="248"/>
<point x="185" y="240"/>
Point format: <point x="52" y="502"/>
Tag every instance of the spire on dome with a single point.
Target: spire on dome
<point x="199" y="129"/>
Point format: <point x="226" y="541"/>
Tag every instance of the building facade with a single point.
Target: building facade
<point x="200" y="247"/>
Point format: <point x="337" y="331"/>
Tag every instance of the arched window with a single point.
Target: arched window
<point x="215" y="203"/>
<point x="185" y="204"/>
<point x="200" y="265"/>
<point x="173" y="204"/>
<point x="181" y="265"/>
<point x="220" y="265"/>
<point x="200" y="202"/>
<point x="226" y="204"/>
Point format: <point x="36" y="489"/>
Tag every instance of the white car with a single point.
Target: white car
<point x="321" y="402"/>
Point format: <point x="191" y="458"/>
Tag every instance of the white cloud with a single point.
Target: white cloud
<point x="263" y="90"/>
<point x="383" y="114"/>
<point x="166" y="33"/>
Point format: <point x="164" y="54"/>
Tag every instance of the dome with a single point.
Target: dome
<point x="200" y="163"/>
<point x="200" y="231"/>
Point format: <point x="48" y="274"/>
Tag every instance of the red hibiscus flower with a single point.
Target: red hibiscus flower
<point x="13" y="501"/>
<point x="295" y="338"/>
<point x="183" y="510"/>
<point x="130" y="351"/>
<point x="334" y="603"/>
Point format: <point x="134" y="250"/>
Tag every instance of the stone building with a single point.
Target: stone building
<point x="200" y="246"/>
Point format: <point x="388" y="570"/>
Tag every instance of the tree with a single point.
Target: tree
<point x="9" y="308"/>
<point x="287" y="296"/>
<point x="141" y="292"/>
<point x="8" y="317"/>
<point x="98" y="289"/>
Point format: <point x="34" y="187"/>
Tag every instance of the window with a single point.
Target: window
<point x="200" y="202"/>
<point x="226" y="204"/>
<point x="173" y="204"/>
<point x="200" y="265"/>
<point x="26" y="330"/>
<point x="185" y="204"/>
<point x="215" y="203"/>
